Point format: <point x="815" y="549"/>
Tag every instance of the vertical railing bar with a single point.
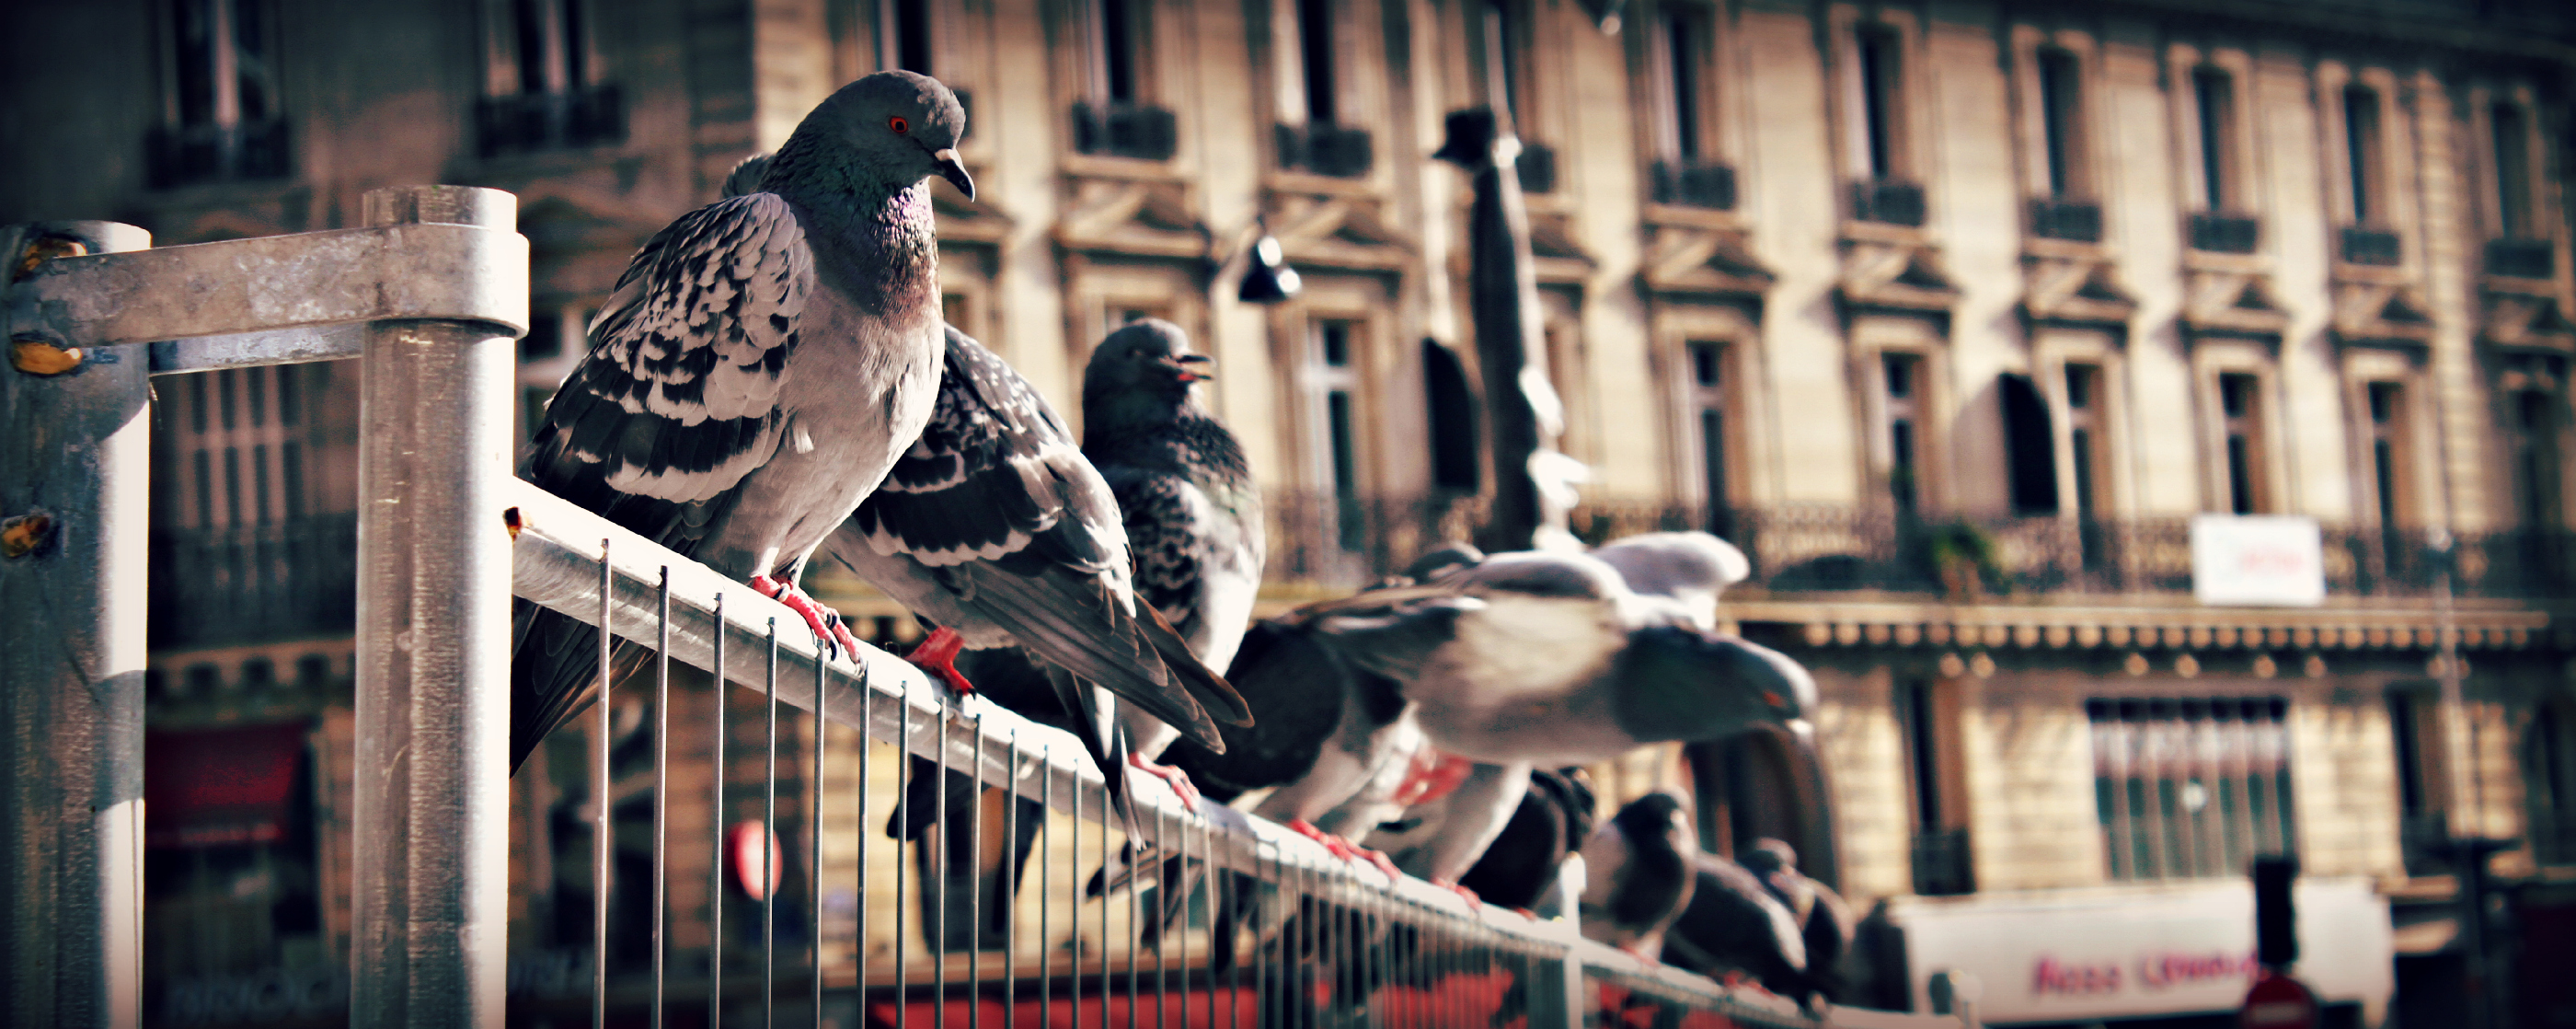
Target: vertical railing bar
<point x="661" y="796"/>
<point x="1135" y="851"/>
<point x="934" y="888"/>
<point x="975" y="890"/>
<point x="1010" y="873"/>
<point x="814" y="826"/>
<point x="903" y="868"/>
<point x="1073" y="919"/>
<point x="1162" y="902"/>
<point x="600" y="842"/>
<point x="1105" y="808"/>
<point x="1181" y="921"/>
<point x="859" y="928"/>
<point x="770" y="880"/>
<point x="715" y="869"/>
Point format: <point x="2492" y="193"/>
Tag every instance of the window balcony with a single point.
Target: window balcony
<point x="1690" y="184"/>
<point x="2077" y="220"/>
<point x="253" y="584"/>
<point x="1537" y="167"/>
<point x="1323" y="148"/>
<point x="203" y="154"/>
<point x="536" y="122"/>
<point x="1942" y="867"/>
<point x="2425" y="842"/>
<point x="2218" y="232"/>
<point x="1140" y="131"/>
<point x="2522" y="258"/>
<point x="1888" y="201"/>
<point x="2362" y="244"/>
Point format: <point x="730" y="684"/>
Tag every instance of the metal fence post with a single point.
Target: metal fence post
<point x="429" y="934"/>
<point x="74" y="543"/>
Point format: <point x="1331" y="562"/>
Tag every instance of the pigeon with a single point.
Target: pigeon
<point x="1193" y="517"/>
<point x="1638" y="873"/>
<point x="1826" y="923"/>
<point x="1544" y="659"/>
<point x="1686" y="570"/>
<point x="1735" y="925"/>
<point x="1519" y="868"/>
<point x="757" y="370"/>
<point x="996" y="529"/>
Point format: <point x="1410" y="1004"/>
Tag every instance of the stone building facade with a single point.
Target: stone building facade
<point x="1952" y="313"/>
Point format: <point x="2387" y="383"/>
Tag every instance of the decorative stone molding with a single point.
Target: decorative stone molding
<point x="1893" y="267"/>
<point x="1338" y="231"/>
<point x="2231" y="301"/>
<point x="1696" y="259"/>
<point x="2129" y="629"/>
<point x="2065" y="283"/>
<point x="2380" y="311"/>
<point x="1132" y="217"/>
<point x="2521" y="316"/>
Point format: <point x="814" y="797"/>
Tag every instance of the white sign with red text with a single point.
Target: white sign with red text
<point x="2277" y="560"/>
<point x="2069" y="955"/>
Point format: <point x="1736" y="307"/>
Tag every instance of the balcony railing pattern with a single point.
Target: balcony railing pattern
<point x="2363" y="244"/>
<point x="2522" y="258"/>
<point x="250" y="584"/>
<point x="1323" y="148"/>
<point x="201" y="154"/>
<point x="2219" y="232"/>
<point x="1888" y="201"/>
<point x="1141" y="131"/>
<point x="2077" y="220"/>
<point x="533" y="122"/>
<point x="1537" y="167"/>
<point x="1690" y="184"/>
<point x="1797" y="548"/>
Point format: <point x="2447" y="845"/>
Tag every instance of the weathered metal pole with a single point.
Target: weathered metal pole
<point x="428" y="929"/>
<point x="75" y="487"/>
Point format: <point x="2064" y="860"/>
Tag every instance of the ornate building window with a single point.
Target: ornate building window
<point x="1903" y="412"/>
<point x="222" y="119"/>
<point x="541" y="80"/>
<point x="1886" y="191"/>
<point x="1927" y="713"/>
<point x="2223" y="223"/>
<point x="2191" y="787"/>
<point x="1707" y="405"/>
<point x="1117" y="116"/>
<point x="1681" y="70"/>
<point x="2520" y="246"/>
<point x="1318" y="130"/>
<point x="2242" y="453"/>
<point x="2066" y="208"/>
<point x="2367" y="238"/>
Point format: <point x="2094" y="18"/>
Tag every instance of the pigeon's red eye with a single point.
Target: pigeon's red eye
<point x="899" y="125"/>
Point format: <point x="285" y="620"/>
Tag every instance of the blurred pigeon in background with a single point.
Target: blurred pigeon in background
<point x="1686" y="569"/>
<point x="1734" y="925"/>
<point x="1193" y="516"/>
<point x="1638" y="873"/>
<point x="994" y="528"/>
<point x="757" y="370"/>
<point x="1826" y="923"/>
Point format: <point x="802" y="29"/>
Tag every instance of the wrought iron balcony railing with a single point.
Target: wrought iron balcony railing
<point x="2077" y="220"/>
<point x="2219" y="232"/>
<point x="532" y="122"/>
<point x="2363" y="244"/>
<point x="1888" y="201"/>
<point x="219" y="587"/>
<point x="1838" y="548"/>
<point x="2522" y="258"/>
<point x="1141" y="131"/>
<point x="202" y="154"/>
<point x="1340" y="151"/>
<point x="1691" y="184"/>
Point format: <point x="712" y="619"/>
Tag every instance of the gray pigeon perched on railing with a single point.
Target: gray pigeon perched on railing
<point x="996" y="529"/>
<point x="1193" y="516"/>
<point x="759" y="367"/>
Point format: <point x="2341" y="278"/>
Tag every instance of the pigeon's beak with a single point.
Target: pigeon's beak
<point x="954" y="172"/>
<point x="1190" y="367"/>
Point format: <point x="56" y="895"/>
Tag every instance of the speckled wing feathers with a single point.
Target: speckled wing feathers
<point x="678" y="400"/>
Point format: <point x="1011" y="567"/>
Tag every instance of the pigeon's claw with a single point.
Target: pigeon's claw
<point x="1526" y="913"/>
<point x="937" y="654"/>
<point x="1379" y="860"/>
<point x="1178" y="780"/>
<point x="834" y="637"/>
<point x="1474" y="902"/>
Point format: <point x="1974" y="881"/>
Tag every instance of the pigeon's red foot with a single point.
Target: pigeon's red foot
<point x="1344" y="849"/>
<point x="1474" y="902"/>
<point x="1637" y="951"/>
<point x="1178" y="780"/>
<point x="826" y="623"/>
<point x="937" y="654"/>
<point x="1526" y="913"/>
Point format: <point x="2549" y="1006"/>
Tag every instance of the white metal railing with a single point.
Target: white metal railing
<point x="430" y="295"/>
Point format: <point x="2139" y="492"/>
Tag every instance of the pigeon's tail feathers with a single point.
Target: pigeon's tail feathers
<point x="1214" y="695"/>
<point x="1074" y="622"/>
<point x="1096" y="725"/>
<point x="554" y="675"/>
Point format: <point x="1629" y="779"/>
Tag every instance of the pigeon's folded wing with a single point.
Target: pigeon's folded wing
<point x="675" y="404"/>
<point x="997" y="501"/>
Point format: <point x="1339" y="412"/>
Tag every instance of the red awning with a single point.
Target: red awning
<point x="219" y="787"/>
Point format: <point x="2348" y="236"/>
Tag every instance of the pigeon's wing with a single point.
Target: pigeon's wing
<point x="1000" y="506"/>
<point x="1292" y="684"/>
<point x="675" y="404"/>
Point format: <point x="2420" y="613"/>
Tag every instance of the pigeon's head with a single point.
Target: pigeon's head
<point x="1677" y="683"/>
<point x="1142" y="372"/>
<point x="1661" y="814"/>
<point x="890" y="130"/>
<point x="1768" y="855"/>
